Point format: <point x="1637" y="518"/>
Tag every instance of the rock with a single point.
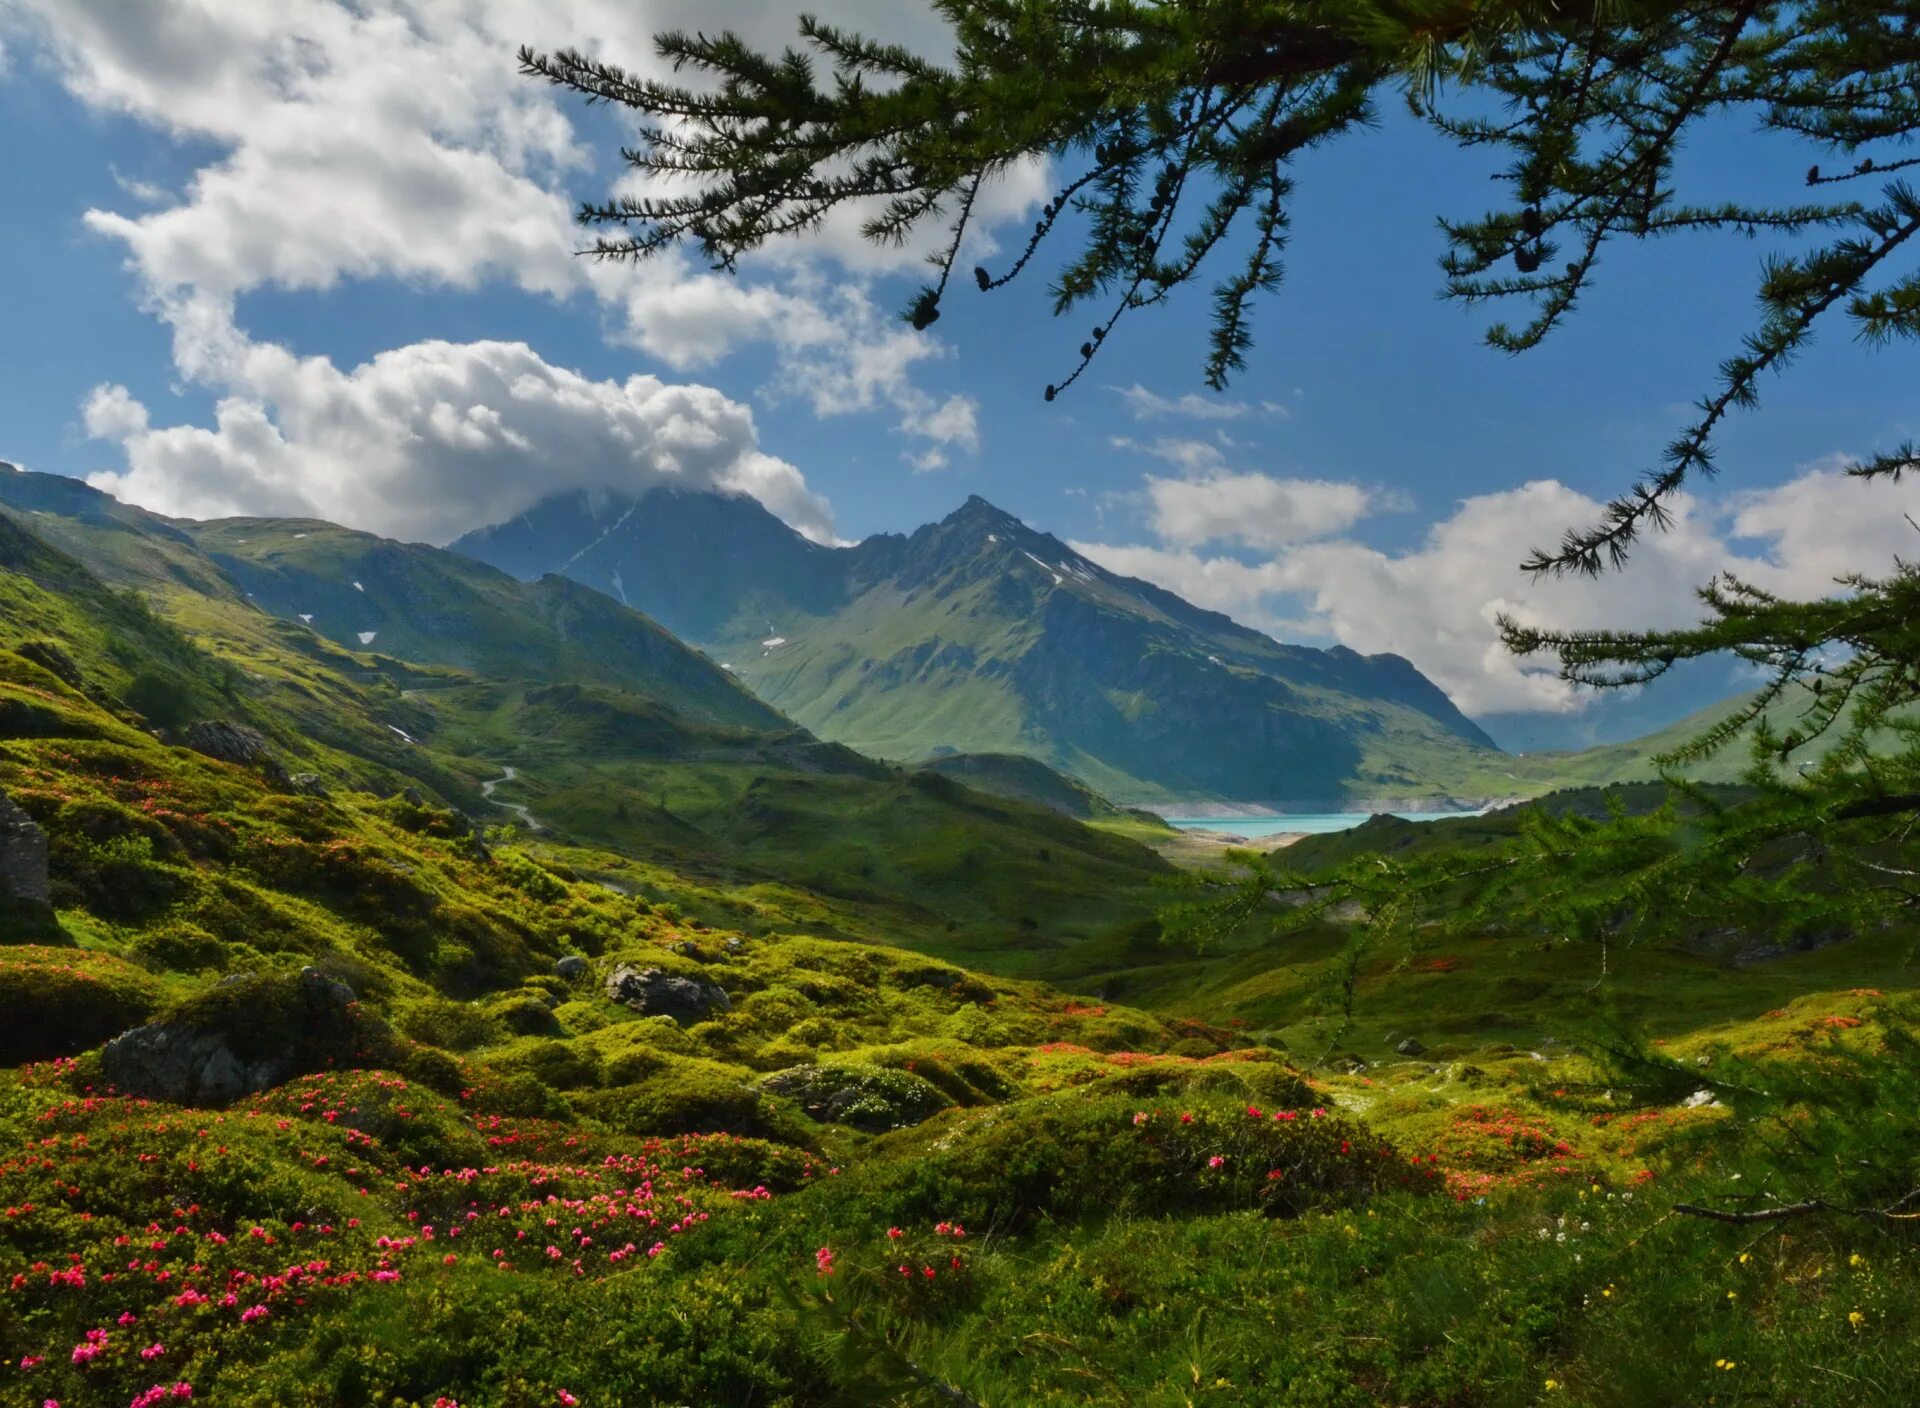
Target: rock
<point x="229" y="742"/>
<point x="873" y="1098"/>
<point x="318" y="985"/>
<point x="246" y="1034"/>
<point x="687" y="948"/>
<point x="413" y="797"/>
<point x="1700" y="1100"/>
<point x="658" y="993"/>
<point x="184" y="1066"/>
<point x="736" y="946"/>
<point x="1411" y="1047"/>
<point x="53" y="660"/>
<point x="23" y="858"/>
<point x="310" y="784"/>
<point x="570" y="967"/>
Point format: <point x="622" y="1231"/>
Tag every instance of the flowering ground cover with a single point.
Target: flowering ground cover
<point x="896" y="1172"/>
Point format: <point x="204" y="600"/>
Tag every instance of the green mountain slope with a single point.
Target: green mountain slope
<point x="553" y="704"/>
<point x="979" y="635"/>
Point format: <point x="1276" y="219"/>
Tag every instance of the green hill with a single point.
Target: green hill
<point x="613" y="733"/>
<point x="312" y="1092"/>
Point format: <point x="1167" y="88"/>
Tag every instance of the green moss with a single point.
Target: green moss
<point x="871" y="1098"/>
<point x="59" y="1001"/>
<point x="681" y="1095"/>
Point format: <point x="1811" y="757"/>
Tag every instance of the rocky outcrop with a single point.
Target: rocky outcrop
<point x="570" y="966"/>
<point x="658" y="993"/>
<point x="229" y="742"/>
<point x="53" y="660"/>
<point x="246" y="1035"/>
<point x="23" y="859"/>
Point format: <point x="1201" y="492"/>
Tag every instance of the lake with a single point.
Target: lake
<point x="1312" y="823"/>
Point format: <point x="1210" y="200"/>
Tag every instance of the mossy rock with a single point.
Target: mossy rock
<point x="1072" y="1157"/>
<point x="873" y="1098"/>
<point x="682" y="1095"/>
<point x="60" y="1001"/>
<point x="248" y="1033"/>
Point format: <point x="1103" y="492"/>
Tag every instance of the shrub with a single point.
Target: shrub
<point x="1070" y="1157"/>
<point x="872" y="1098"/>
<point x="58" y="1001"/>
<point x="682" y="1095"/>
<point x="161" y="696"/>
<point x="294" y="1021"/>
<point x="179" y="945"/>
<point x="561" y="1065"/>
<point x="454" y="1026"/>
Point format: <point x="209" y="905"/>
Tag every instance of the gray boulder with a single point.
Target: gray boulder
<point x="570" y="967"/>
<point x="209" y="1058"/>
<point x="229" y="742"/>
<point x="23" y="857"/>
<point x="163" y="1061"/>
<point x="1412" y="1046"/>
<point x="658" y="993"/>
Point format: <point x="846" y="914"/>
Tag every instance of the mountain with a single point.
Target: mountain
<point x="980" y="635"/>
<point x="546" y="702"/>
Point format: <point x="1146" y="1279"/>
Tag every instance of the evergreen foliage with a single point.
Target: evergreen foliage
<point x="1175" y="126"/>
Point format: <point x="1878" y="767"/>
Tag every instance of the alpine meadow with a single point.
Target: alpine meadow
<point x="705" y="705"/>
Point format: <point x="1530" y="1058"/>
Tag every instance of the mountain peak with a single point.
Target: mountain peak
<point x="978" y="510"/>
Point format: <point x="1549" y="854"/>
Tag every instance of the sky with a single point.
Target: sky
<point x="316" y="257"/>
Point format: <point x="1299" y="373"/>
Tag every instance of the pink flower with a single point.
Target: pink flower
<point x="824" y="1260"/>
<point x="567" y="1399"/>
<point x="32" y="1361"/>
<point x="1215" y="1161"/>
<point x="153" y="1351"/>
<point x="253" y="1313"/>
<point x="895" y="1234"/>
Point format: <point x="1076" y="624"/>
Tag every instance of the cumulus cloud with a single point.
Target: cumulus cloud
<point x="432" y="439"/>
<point x="1437" y="602"/>
<point x="1256" y="510"/>
<point x="393" y="138"/>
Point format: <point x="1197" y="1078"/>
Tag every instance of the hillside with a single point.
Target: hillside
<point x="980" y="635"/>
<point x="314" y="1092"/>
<point x="677" y="766"/>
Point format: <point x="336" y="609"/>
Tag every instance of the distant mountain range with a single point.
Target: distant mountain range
<point x="980" y="635"/>
<point x="357" y="664"/>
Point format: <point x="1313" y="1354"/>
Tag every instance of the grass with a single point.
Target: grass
<point x="1154" y="1179"/>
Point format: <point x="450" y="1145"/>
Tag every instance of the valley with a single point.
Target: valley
<point x="528" y="932"/>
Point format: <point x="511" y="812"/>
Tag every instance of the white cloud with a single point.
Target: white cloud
<point x="1437" y="603"/>
<point x="432" y="439"/>
<point x="394" y="138"/>
<point x="1256" y="510"/>
<point x="1146" y="404"/>
<point x="1187" y="456"/>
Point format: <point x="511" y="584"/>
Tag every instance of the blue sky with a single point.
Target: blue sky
<point x="290" y="221"/>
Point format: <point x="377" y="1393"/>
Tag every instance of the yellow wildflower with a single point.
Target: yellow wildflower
<point x="1856" y="1260"/>
<point x="1856" y="1319"/>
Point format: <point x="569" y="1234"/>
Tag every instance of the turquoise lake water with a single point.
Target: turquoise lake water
<point x="1314" y="824"/>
